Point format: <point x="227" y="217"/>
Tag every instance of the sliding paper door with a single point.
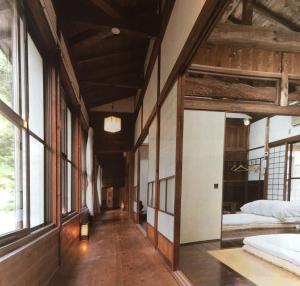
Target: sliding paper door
<point x="202" y="175"/>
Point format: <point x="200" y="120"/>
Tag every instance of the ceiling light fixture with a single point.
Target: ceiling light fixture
<point x="112" y="124"/>
<point x="115" y="31"/>
<point x="246" y="121"/>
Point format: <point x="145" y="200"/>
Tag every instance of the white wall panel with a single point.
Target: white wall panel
<point x="135" y="175"/>
<point x="152" y="150"/>
<point x="182" y="20"/>
<point x="150" y="216"/>
<point x="165" y="225"/>
<point x="168" y="135"/>
<point x="281" y="127"/>
<point x="138" y="126"/>
<point x="257" y="134"/>
<point x="150" y="97"/>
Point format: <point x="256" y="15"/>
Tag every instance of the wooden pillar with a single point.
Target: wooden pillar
<point x="284" y="91"/>
<point x="247" y="13"/>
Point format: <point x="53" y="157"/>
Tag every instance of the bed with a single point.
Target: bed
<point x="282" y="250"/>
<point x="263" y="214"/>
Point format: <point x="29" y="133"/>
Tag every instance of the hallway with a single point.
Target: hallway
<point x="117" y="253"/>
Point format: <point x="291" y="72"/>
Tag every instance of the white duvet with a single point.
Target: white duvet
<point x="284" y="246"/>
<point x="243" y="218"/>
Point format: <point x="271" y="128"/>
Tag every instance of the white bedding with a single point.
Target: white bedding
<point x="272" y="208"/>
<point x="243" y="218"/>
<point x="285" y="246"/>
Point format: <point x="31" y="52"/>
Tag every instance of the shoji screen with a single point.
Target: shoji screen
<point x="135" y="182"/>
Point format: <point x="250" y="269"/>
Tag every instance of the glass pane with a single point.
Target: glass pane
<point x="69" y="195"/>
<point x="12" y="186"/>
<point x="8" y="56"/>
<point x="37" y="185"/>
<point x="162" y="195"/>
<point x="154" y="195"/>
<point x="171" y="195"/>
<point x="36" y="90"/>
<point x="296" y="161"/>
<point x="69" y="134"/>
<point x="63" y="125"/>
<point x="150" y="194"/>
<point x="63" y="186"/>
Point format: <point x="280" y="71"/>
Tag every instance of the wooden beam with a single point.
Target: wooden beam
<point x="235" y="106"/>
<point x="113" y="84"/>
<point x="195" y="68"/>
<point x="121" y="53"/>
<point x="265" y="11"/>
<point x="284" y="91"/>
<point x="88" y="36"/>
<point x="247" y="12"/>
<point x="259" y="37"/>
<point x="106" y="8"/>
<point x="210" y="87"/>
<point x="230" y="9"/>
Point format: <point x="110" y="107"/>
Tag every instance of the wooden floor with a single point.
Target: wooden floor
<point x="117" y="254"/>
<point x="204" y="270"/>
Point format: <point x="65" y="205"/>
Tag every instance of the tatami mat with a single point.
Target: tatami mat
<point x="258" y="271"/>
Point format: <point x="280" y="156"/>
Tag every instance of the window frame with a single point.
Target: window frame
<point x="20" y="119"/>
<point x="164" y="208"/>
<point x="64" y="156"/>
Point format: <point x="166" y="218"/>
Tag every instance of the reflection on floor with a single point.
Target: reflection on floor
<point x="116" y="254"/>
<point x="204" y="270"/>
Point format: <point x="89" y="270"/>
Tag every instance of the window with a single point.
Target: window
<point x="276" y="184"/>
<point x="23" y="192"/>
<point x="83" y="169"/>
<point x="151" y="194"/>
<point x="167" y="195"/>
<point x="66" y="155"/>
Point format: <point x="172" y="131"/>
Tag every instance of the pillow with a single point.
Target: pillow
<point x="273" y="208"/>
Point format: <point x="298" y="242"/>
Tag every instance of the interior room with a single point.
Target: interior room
<point x="260" y="163"/>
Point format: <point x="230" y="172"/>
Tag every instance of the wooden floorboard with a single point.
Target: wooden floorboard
<point x="204" y="270"/>
<point x="116" y="254"/>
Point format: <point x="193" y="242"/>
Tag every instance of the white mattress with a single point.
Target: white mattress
<point x="242" y="218"/>
<point x="285" y="246"/>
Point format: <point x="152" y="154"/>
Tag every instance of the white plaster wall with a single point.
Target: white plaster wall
<point x="165" y="225"/>
<point x="143" y="182"/>
<point x="150" y="216"/>
<point x="137" y="126"/>
<point x="281" y="128"/>
<point x="135" y="173"/>
<point x="150" y="97"/>
<point x="168" y="135"/>
<point x="257" y="134"/>
<point x="152" y="150"/>
<point x="135" y="207"/>
<point x="203" y="150"/>
<point x="182" y="20"/>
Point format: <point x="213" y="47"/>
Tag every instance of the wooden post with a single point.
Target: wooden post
<point x="247" y="12"/>
<point x="284" y="93"/>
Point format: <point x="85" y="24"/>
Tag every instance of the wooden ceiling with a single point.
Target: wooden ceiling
<point x="108" y="66"/>
<point x="266" y="24"/>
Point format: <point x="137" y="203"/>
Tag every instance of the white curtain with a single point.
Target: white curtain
<point x="99" y="184"/>
<point x="89" y="170"/>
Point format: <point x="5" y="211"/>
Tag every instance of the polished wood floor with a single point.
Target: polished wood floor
<point x="117" y="254"/>
<point x="204" y="270"/>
